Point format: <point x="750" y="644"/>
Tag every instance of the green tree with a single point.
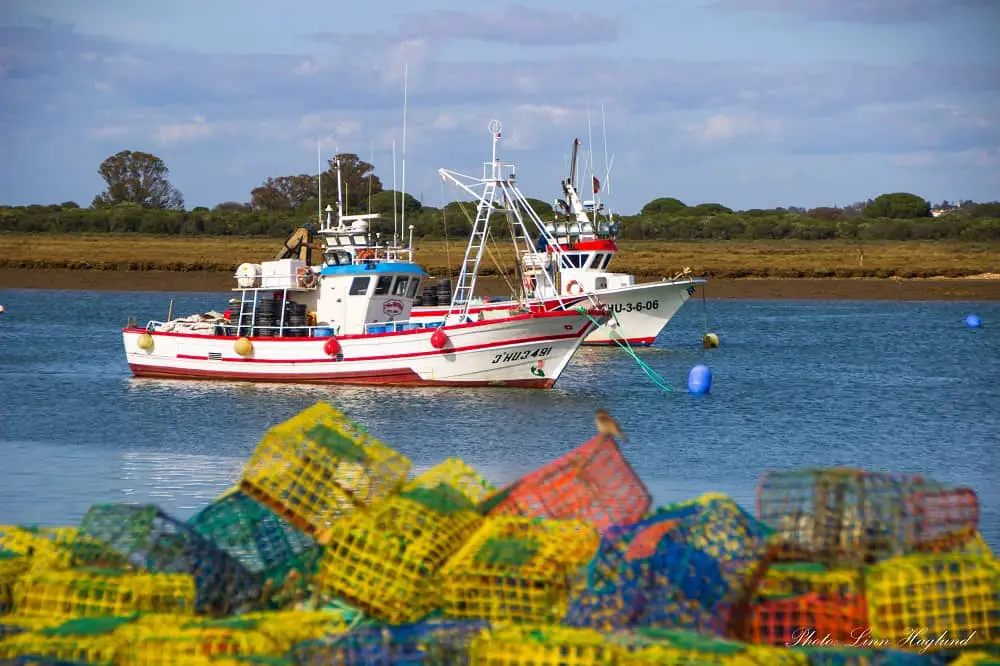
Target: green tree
<point x="897" y="205"/>
<point x="137" y="178"/>
<point x="283" y="193"/>
<point x="358" y="181"/>
<point x="663" y="206"/>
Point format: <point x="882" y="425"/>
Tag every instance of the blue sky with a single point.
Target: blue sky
<point x="749" y="103"/>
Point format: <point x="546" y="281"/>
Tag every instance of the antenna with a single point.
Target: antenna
<point x="394" y="211"/>
<point x="319" y="180"/>
<point x="607" y="165"/>
<point x="402" y="223"/>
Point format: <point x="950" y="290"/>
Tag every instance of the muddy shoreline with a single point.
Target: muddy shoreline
<point x="929" y="289"/>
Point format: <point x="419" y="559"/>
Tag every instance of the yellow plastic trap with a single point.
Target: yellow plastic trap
<point x="386" y="561"/>
<point x="678" y="647"/>
<point x="98" y="593"/>
<point x="915" y="598"/>
<point x="12" y="567"/>
<point x="47" y="546"/>
<point x="93" y="640"/>
<point x="171" y="644"/>
<point x="547" y="645"/>
<point x="801" y="578"/>
<point x="456" y="474"/>
<point x="319" y="466"/>
<point x="517" y="569"/>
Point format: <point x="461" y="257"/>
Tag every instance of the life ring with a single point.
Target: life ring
<point x="366" y="254"/>
<point x="574" y="288"/>
<point x="306" y="277"/>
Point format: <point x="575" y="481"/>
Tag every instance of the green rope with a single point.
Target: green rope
<point x="623" y="344"/>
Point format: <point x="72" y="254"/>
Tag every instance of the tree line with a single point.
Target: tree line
<point x="140" y="199"/>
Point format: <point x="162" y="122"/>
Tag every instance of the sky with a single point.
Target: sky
<point x="748" y="103"/>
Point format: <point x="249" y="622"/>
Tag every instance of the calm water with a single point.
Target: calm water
<point x="887" y="386"/>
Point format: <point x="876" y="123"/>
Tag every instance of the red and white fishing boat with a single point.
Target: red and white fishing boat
<point x="349" y="322"/>
<point x="581" y="276"/>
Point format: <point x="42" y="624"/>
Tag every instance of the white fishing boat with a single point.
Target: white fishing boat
<point x="568" y="266"/>
<point x="349" y="320"/>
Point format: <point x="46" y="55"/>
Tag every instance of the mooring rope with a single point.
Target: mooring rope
<point x="624" y="344"/>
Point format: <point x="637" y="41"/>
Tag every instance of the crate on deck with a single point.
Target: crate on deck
<point x="88" y="592"/>
<point x="92" y="640"/>
<point x="541" y="645"/>
<point x="145" y="538"/>
<point x="687" y="565"/>
<point x="433" y="642"/>
<point x="934" y="593"/>
<point x="319" y="466"/>
<point x="853" y="517"/>
<point x="516" y="569"/>
<point x="594" y="482"/>
<point x="280" y="556"/>
<point x="386" y="560"/>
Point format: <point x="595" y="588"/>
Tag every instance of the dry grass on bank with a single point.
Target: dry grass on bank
<point x="645" y="259"/>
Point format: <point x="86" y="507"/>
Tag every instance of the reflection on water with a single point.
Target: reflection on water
<point x="187" y="482"/>
<point x="900" y="387"/>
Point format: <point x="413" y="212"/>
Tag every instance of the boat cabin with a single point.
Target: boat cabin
<point x="586" y="251"/>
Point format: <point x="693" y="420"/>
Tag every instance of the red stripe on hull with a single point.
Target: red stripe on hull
<point x="631" y="341"/>
<point x="403" y="377"/>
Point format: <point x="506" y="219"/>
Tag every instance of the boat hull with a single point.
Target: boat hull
<point x="527" y="351"/>
<point x="642" y="311"/>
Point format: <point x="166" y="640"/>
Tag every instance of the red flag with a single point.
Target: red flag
<point x="597" y="185"/>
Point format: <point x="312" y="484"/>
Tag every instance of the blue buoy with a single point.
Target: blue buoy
<point x="700" y="380"/>
<point x="973" y="321"/>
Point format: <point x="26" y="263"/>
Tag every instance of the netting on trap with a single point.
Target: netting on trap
<point x="456" y="474"/>
<point x="977" y="658"/>
<point x="516" y="569"/>
<point x="386" y="561"/>
<point x="35" y="660"/>
<point x="431" y="642"/>
<point x="792" y="620"/>
<point x="319" y="466"/>
<point x="594" y="482"/>
<point x="852" y="517"/>
<point x="917" y="597"/>
<point x="102" y="593"/>
<point x="784" y="579"/>
<point x="12" y="567"/>
<point x="684" y="566"/>
<point x="541" y="645"/>
<point x="143" y="537"/>
<point x="92" y="640"/>
<point x="45" y="546"/>
<point x="278" y="554"/>
<point x="194" y="642"/>
<point x="680" y="647"/>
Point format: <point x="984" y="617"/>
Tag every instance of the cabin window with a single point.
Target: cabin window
<point x="383" y="284"/>
<point x="595" y="262"/>
<point x="572" y="261"/>
<point x="601" y="283"/>
<point x="607" y="260"/>
<point x="399" y="289"/>
<point x="414" y="285"/>
<point x="359" y="286"/>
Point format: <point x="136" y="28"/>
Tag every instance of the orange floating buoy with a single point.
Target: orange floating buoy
<point x="331" y="346"/>
<point x="439" y="339"/>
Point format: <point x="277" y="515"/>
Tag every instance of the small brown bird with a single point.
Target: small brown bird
<point x="606" y="425"/>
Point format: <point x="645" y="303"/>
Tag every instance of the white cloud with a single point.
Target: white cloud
<point x="198" y="128"/>
<point x="722" y="127"/>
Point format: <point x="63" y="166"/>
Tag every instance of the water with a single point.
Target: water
<point x="902" y="387"/>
